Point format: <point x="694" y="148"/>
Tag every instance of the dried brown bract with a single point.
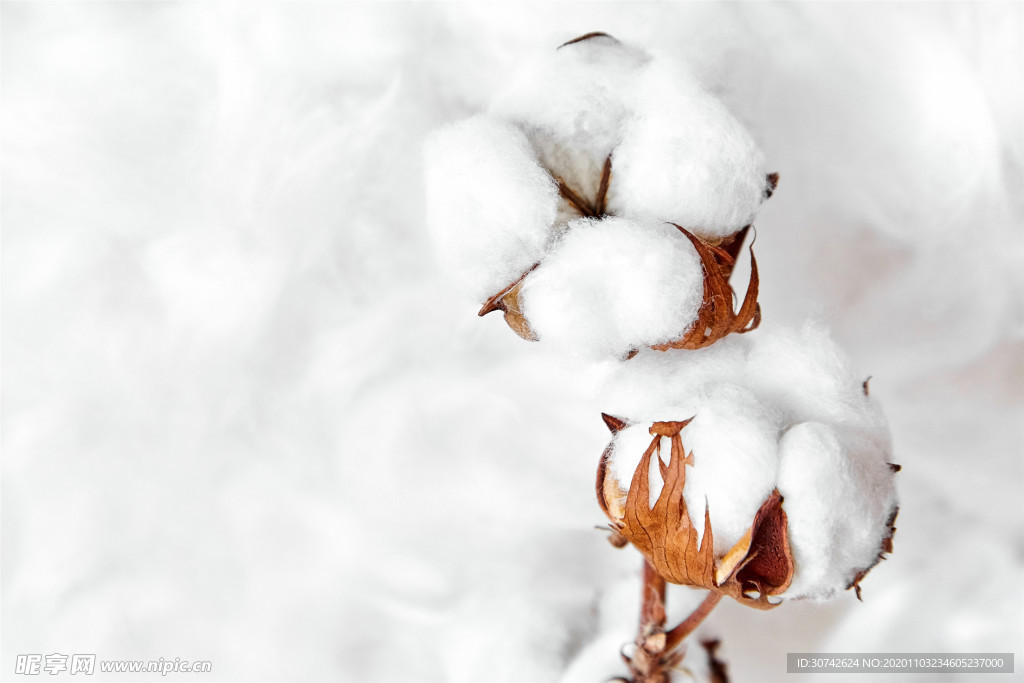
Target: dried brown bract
<point x="716" y="317"/>
<point x="758" y="567"/>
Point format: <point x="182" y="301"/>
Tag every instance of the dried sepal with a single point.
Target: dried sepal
<point x="729" y="250"/>
<point x="587" y="36"/>
<point x="507" y="300"/>
<point x="757" y="568"/>
<point x="582" y="206"/>
<point x="664" y="533"/>
<point x="614" y="424"/>
<point x="716" y="318"/>
<point x="767" y="567"/>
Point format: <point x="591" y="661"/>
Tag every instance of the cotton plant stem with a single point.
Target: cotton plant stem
<point x="649" y="663"/>
<point x="679" y="633"/>
<point x="657" y="652"/>
<point x="652" y="607"/>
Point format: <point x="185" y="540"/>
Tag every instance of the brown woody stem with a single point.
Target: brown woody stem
<point x="679" y="633"/>
<point x="652" y="607"/>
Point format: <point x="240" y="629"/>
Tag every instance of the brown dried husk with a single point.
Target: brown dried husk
<point x="507" y="300"/>
<point x="756" y="568"/>
<point x="716" y="318"/>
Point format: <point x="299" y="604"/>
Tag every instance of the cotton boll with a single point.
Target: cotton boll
<point x="685" y="158"/>
<point x="613" y="285"/>
<point x="490" y="205"/>
<point x="733" y="439"/>
<point x="808" y="376"/>
<point x="839" y="495"/>
<point x="573" y="101"/>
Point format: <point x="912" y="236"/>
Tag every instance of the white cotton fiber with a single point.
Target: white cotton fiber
<point x="490" y="205"/>
<point x="578" y="95"/>
<point x="614" y="285"/>
<point x="734" y="441"/>
<point x="685" y="158"/>
<point x="806" y="374"/>
<point x="628" y="447"/>
<point x="838" y="495"/>
<point x="652" y="380"/>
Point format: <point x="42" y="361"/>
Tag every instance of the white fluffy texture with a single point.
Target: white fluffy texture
<point x="490" y="205"/>
<point x="839" y="493"/>
<point x="328" y="479"/>
<point x="685" y="158"/>
<point x="579" y="95"/>
<point x="613" y="285"/>
<point x="806" y="375"/>
<point x="572" y="103"/>
<point x="653" y="380"/>
<point x="734" y="441"/>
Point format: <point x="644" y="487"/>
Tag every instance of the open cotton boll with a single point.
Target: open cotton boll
<point x="808" y="376"/>
<point x="685" y="158"/>
<point x="490" y="205"/>
<point x="839" y="498"/>
<point x="613" y="285"/>
<point x="734" y="442"/>
<point x="572" y="102"/>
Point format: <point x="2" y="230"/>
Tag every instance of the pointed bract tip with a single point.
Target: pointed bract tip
<point x="615" y="425"/>
<point x="587" y="36"/>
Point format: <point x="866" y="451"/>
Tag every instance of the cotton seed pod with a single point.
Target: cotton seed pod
<point x="598" y="129"/>
<point x="755" y="569"/>
<point x="758" y="569"/>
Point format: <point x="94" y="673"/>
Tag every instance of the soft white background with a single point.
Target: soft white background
<point x="245" y="418"/>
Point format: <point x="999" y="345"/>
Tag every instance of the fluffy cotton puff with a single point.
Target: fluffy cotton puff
<point x="576" y="96"/>
<point x="654" y="379"/>
<point x="490" y="205"/>
<point x="809" y="377"/>
<point x="734" y="441"/>
<point x="685" y="158"/>
<point x="839" y="494"/>
<point x="628" y="447"/>
<point x="613" y="285"/>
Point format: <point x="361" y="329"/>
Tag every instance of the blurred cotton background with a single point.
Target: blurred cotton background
<point x="247" y="420"/>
